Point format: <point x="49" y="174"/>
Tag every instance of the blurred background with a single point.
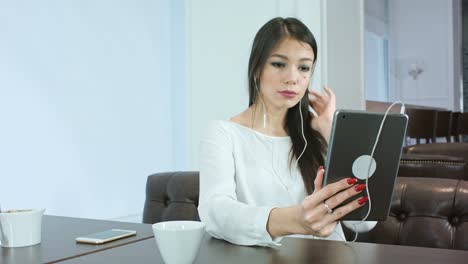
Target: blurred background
<point x="95" y="95"/>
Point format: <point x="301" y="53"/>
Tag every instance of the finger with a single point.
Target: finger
<point x="329" y="92"/>
<point x="341" y="211"/>
<point x="319" y="179"/>
<point x="316" y="101"/>
<point x="316" y="109"/>
<point x="314" y="97"/>
<point x="312" y="100"/>
<point x="316" y="94"/>
<point x="319" y="104"/>
<point x="331" y="189"/>
<point x="312" y="114"/>
<point x="342" y="196"/>
<point x="338" y="199"/>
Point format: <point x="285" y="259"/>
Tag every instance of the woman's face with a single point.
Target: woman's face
<point x="286" y="74"/>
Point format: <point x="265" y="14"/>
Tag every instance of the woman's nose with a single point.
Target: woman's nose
<point x="291" y="77"/>
<point x="290" y="82"/>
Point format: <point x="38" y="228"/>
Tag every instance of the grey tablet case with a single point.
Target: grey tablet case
<point x="353" y="135"/>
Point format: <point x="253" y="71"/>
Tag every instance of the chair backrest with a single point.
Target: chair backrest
<point x="455" y="131"/>
<point x="421" y="124"/>
<point x="444" y="124"/>
<point x="171" y="196"/>
<point x="463" y="123"/>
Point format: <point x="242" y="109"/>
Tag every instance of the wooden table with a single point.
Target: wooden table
<point x="293" y="250"/>
<point x="59" y="233"/>
<point x="58" y="240"/>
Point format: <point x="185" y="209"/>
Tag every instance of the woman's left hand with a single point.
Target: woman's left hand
<point x="324" y="105"/>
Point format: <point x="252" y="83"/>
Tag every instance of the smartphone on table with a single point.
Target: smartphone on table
<point x="105" y="236"/>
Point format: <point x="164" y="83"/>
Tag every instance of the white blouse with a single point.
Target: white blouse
<point x="244" y="174"/>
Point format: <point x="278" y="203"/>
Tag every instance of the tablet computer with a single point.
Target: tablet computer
<point x="352" y="138"/>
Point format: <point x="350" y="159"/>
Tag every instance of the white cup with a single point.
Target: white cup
<point x="20" y="228"/>
<point x="179" y="241"/>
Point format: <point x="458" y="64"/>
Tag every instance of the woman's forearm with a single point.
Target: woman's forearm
<point x="284" y="221"/>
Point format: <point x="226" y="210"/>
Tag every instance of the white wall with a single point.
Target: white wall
<point x="376" y="70"/>
<point x="422" y="33"/>
<point x="376" y="49"/>
<point x="457" y="55"/>
<point x="85" y="104"/>
<point x="377" y="9"/>
<point x="345" y="51"/>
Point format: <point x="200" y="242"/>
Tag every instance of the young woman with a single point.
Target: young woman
<point x="261" y="172"/>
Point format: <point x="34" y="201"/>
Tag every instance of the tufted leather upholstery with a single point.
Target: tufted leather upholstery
<point x="171" y="196"/>
<point x="428" y="212"/>
<point x="432" y="166"/>
<point x="445" y="149"/>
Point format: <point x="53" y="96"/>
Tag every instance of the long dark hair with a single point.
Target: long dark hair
<point x="267" y="38"/>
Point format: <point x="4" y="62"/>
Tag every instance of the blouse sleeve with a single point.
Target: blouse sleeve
<point x="224" y="216"/>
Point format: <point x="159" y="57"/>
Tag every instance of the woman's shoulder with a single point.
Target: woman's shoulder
<point x="231" y="130"/>
<point x="218" y="129"/>
<point x="234" y="124"/>
<point x="222" y="127"/>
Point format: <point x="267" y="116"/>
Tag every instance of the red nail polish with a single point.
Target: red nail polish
<point x="351" y="181"/>
<point x="320" y="168"/>
<point x="360" y="187"/>
<point x="363" y="200"/>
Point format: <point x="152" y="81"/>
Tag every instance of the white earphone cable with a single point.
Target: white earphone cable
<point x="303" y="135"/>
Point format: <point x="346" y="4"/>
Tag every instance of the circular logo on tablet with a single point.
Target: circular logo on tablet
<point x="361" y="167"/>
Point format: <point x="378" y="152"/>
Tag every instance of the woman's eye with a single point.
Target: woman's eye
<point x="304" y="68"/>
<point x="278" y="64"/>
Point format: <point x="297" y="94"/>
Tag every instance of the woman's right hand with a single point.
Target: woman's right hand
<point x="314" y="216"/>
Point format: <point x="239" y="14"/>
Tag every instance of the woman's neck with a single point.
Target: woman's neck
<point x="268" y="120"/>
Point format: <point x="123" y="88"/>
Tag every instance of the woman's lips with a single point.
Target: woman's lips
<point x="288" y="94"/>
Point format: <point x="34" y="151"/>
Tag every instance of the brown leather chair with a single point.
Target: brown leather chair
<point x="444" y="124"/>
<point x="428" y="212"/>
<point x="171" y="196"/>
<point x="455" y="131"/>
<point x="421" y="124"/>
<point x="463" y="124"/>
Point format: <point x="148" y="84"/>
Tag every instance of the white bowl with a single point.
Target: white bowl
<point x="179" y="241"/>
<point x="21" y="228"/>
